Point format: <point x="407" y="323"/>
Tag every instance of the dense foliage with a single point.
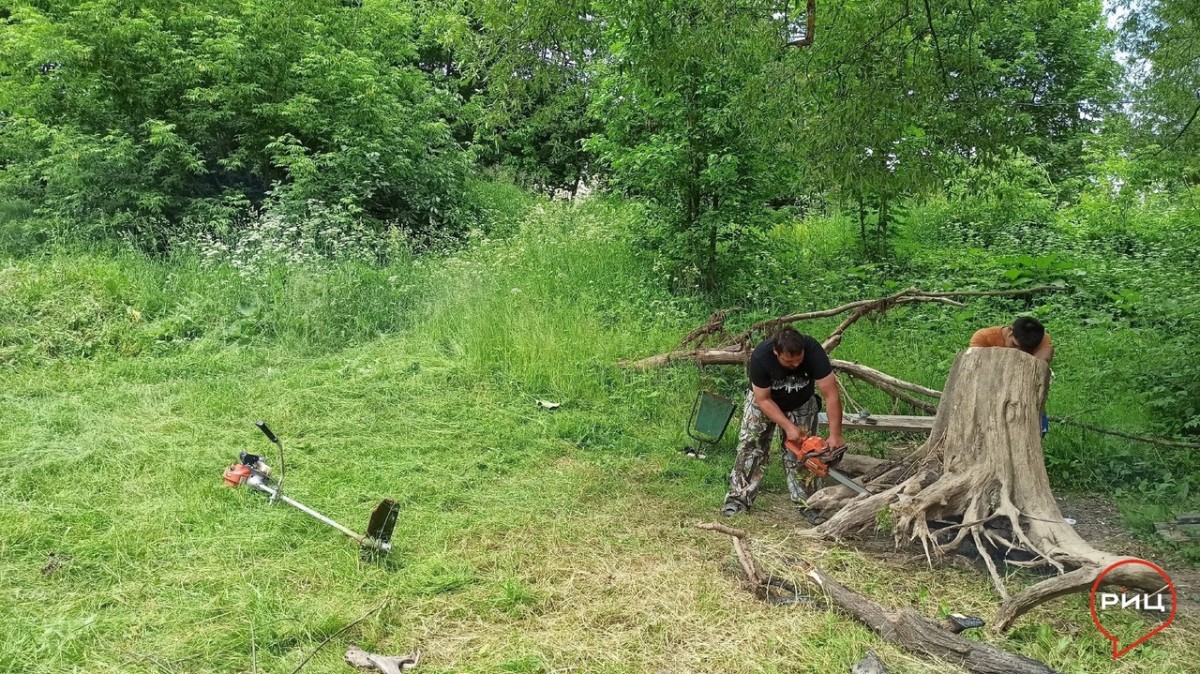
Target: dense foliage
<point x="141" y="117"/>
<point x="266" y="133"/>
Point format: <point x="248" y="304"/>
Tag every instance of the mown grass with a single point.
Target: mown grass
<point x="529" y="541"/>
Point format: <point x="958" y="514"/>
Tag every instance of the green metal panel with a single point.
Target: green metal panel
<point x="710" y="417"/>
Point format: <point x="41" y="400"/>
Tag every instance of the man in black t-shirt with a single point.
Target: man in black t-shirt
<point x="784" y="371"/>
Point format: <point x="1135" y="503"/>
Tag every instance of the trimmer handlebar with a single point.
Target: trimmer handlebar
<point x="262" y="426"/>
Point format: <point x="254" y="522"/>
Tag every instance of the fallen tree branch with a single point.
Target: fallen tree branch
<point x="721" y="528"/>
<point x="736" y="352"/>
<point x="741" y="547"/>
<point x="873" y="376"/>
<point x="906" y="628"/>
<point x="728" y="356"/>
<point x="882" y="304"/>
<point x="713" y="326"/>
<point x="921" y="635"/>
<point x="890" y="385"/>
<point x="1128" y="436"/>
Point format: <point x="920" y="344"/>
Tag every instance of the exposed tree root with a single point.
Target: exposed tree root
<point x="983" y="466"/>
<point x="905" y="627"/>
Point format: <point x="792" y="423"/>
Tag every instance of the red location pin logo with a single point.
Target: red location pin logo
<point x="1104" y="601"/>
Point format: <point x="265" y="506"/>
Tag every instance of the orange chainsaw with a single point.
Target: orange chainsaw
<point x="817" y="456"/>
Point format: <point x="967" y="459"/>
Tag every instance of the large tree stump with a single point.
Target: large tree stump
<point x="981" y="476"/>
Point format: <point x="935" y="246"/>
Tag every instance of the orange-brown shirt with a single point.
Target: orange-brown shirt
<point x="999" y="337"/>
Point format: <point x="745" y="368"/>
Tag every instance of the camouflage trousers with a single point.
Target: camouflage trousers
<point x="754" y="444"/>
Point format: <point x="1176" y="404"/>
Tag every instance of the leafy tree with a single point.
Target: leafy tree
<point x="143" y="115"/>
<point x="689" y="110"/>
<point x="528" y="65"/>
<point x="1162" y="41"/>
<point x="899" y="96"/>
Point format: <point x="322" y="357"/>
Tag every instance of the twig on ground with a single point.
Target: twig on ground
<point x="336" y="634"/>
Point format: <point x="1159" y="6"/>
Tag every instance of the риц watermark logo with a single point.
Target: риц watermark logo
<point x="1161" y="603"/>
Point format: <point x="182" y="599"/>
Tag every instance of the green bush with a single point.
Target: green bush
<point x="132" y="118"/>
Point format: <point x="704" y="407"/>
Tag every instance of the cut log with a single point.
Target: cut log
<point x="894" y="423"/>
<point x="983" y="466"/>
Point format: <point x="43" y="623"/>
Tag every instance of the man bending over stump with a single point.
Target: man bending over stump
<point x="784" y="371"/>
<point x="1026" y="334"/>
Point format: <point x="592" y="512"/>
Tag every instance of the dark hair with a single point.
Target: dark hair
<point x="1028" y="332"/>
<point x="789" y="342"/>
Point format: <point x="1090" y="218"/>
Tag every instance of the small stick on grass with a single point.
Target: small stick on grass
<point x="336" y="634"/>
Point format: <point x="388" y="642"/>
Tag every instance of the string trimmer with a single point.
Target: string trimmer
<point x="252" y="472"/>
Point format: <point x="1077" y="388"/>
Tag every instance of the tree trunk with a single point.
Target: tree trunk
<point x="882" y="225"/>
<point x="862" y="220"/>
<point x="983" y="467"/>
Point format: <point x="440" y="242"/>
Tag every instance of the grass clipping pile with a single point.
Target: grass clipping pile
<point x="982" y="477"/>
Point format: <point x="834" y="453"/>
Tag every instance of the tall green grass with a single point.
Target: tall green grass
<point x="530" y="540"/>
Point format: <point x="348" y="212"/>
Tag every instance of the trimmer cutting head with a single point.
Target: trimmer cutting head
<point x="380" y="528"/>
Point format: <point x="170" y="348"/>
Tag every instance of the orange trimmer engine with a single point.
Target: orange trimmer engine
<point x="817" y="457"/>
<point x="237" y="474"/>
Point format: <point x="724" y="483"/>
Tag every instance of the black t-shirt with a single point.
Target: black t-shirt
<point x="789" y="388"/>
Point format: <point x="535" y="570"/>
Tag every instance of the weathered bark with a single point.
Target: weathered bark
<point x="859" y="464"/>
<point x="385" y="664"/>
<point x="983" y="466"/>
<point x="905" y="627"/>
<point x="921" y="635"/>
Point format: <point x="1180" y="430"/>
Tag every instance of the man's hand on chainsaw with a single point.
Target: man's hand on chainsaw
<point x="795" y="434"/>
<point x="836" y="442"/>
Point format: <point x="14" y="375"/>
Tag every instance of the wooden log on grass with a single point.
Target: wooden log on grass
<point x="916" y="633"/>
<point x="894" y="423"/>
<point x="905" y="627"/>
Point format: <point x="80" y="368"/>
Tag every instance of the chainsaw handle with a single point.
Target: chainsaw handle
<point x="262" y="426"/>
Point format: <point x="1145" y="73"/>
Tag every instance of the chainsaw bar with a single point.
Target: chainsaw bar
<point x="840" y="477"/>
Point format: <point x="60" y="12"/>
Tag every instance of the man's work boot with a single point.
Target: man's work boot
<point x="732" y="508"/>
<point x="814" y="518"/>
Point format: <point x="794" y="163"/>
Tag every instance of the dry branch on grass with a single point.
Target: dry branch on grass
<point x="905" y="628"/>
